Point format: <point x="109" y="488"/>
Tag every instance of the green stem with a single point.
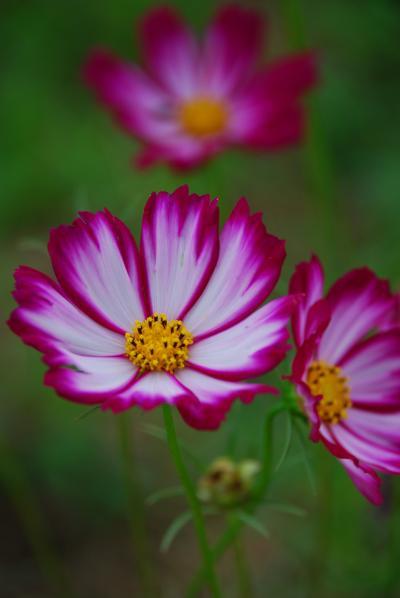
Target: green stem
<point x="392" y="586"/>
<point x="20" y="492"/>
<point x="245" y="589"/>
<point x="198" y="518"/>
<point x="322" y="526"/>
<point x="235" y="525"/>
<point x="265" y="474"/>
<point x="317" y="159"/>
<point x="135" y="507"/>
<point x="222" y="545"/>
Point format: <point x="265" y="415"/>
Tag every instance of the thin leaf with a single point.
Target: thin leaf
<point x="159" y="433"/>
<point x="287" y="441"/>
<point x="171" y="492"/>
<point x="173" y="530"/>
<point x="286" y="508"/>
<point x="306" y="459"/>
<point x="290" y="462"/>
<point x="253" y="522"/>
<point x="155" y="431"/>
<point x="87" y="413"/>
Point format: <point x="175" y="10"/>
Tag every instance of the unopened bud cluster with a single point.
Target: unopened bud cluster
<point x="227" y="483"/>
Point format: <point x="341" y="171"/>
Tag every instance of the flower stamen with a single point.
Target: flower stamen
<point x="203" y="116"/>
<point x="327" y="381"/>
<point x="158" y="344"/>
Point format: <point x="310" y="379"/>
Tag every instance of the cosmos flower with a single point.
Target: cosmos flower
<point x="193" y="100"/>
<point x="347" y="370"/>
<point x="177" y="321"/>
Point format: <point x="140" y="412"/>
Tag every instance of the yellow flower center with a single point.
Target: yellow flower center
<point x="327" y="380"/>
<point x="158" y="344"/>
<point x="203" y="116"/>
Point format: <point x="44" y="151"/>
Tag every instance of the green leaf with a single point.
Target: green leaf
<point x="306" y="459"/>
<point x="287" y="440"/>
<point x="86" y="413"/>
<point x="253" y="522"/>
<point x="173" y="530"/>
<point x="286" y="508"/>
<point x="170" y="492"/>
<point x="290" y="462"/>
<point x="158" y="432"/>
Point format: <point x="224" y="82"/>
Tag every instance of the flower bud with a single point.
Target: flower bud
<point x="227" y="483"/>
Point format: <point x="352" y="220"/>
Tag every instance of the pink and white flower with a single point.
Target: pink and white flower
<point x="177" y="321"/>
<point x="193" y="100"/>
<point x="347" y="370"/>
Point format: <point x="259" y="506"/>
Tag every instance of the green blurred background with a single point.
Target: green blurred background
<point x="338" y="196"/>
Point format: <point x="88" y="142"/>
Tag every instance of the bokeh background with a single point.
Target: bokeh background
<point x="339" y="196"/>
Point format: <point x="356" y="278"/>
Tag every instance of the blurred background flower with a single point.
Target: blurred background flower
<point x="194" y="99"/>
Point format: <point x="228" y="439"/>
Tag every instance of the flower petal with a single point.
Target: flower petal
<point x="250" y="262"/>
<point x="48" y="321"/>
<point x="93" y="380"/>
<point x="96" y="262"/>
<point x="250" y="348"/>
<point x="371" y="452"/>
<point x="307" y="279"/>
<point x="210" y="398"/>
<point x="278" y="126"/>
<point x="310" y="408"/>
<point x="393" y="317"/>
<point x="180" y="151"/>
<point x="287" y="77"/>
<point x="373" y="369"/>
<point x="359" y="302"/>
<point x="170" y="51"/>
<point x="203" y="416"/>
<point x="365" y="479"/>
<point x="180" y="248"/>
<point x="381" y="426"/>
<point x="138" y="104"/>
<point x="233" y="44"/>
<point x="148" y="391"/>
<point x="267" y="113"/>
<point x="144" y="109"/>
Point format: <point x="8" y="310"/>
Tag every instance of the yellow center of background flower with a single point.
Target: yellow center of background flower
<point x="327" y="380"/>
<point x="158" y="344"/>
<point x="203" y="116"/>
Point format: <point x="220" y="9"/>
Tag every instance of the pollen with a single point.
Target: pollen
<point x="158" y="344"/>
<point x="328" y="381"/>
<point x="203" y="116"/>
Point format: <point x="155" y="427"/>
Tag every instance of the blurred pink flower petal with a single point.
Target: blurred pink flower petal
<point x="193" y="100"/>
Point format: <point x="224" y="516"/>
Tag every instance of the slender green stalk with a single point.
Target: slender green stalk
<point x="235" y="525"/>
<point x="198" y="518"/>
<point x="322" y="526"/>
<point x="317" y="160"/>
<point x="20" y="492"/>
<point x="245" y="589"/>
<point x="135" y="507"/>
<point x="265" y="474"/>
<point x="225" y="541"/>
<point x="392" y="585"/>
